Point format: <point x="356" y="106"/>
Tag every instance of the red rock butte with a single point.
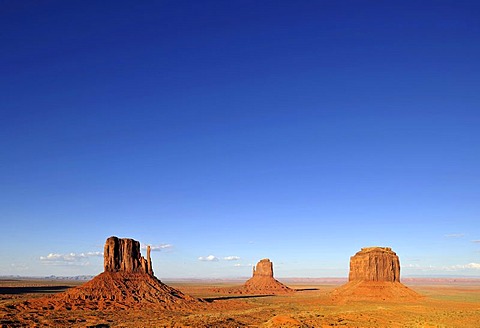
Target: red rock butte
<point x="262" y="282"/>
<point x="123" y="255"/>
<point x="374" y="275"/>
<point x="127" y="282"/>
<point x="264" y="268"/>
<point x="375" y="264"/>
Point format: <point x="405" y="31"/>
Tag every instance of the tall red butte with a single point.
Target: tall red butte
<point x="262" y="282"/>
<point x="375" y="264"/>
<point x="126" y="282"/>
<point x="374" y="275"/>
<point x="123" y="255"/>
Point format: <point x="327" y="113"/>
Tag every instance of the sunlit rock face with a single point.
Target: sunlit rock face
<point x="263" y="282"/>
<point x="264" y="268"/>
<point x="374" y="276"/>
<point x="375" y="264"/>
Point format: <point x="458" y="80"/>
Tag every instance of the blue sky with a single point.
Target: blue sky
<point x="223" y="132"/>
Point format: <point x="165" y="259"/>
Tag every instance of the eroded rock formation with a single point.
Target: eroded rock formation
<point x="374" y="275"/>
<point x="263" y="268"/>
<point x="262" y="282"/>
<point x="127" y="282"/>
<point x="375" y="264"/>
<point x="123" y="255"/>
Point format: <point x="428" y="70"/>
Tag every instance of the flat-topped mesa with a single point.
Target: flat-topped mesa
<point x="123" y="255"/>
<point x="374" y="276"/>
<point x="264" y="268"/>
<point x="375" y="264"/>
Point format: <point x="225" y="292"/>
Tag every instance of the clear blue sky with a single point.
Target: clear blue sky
<point x="223" y="132"/>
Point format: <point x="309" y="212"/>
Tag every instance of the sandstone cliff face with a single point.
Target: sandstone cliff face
<point x="375" y="264"/>
<point x="263" y="268"/>
<point x="123" y="255"/>
<point x="374" y="276"/>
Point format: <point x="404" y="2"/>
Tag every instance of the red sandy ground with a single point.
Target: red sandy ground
<point x="444" y="304"/>
<point x="388" y="291"/>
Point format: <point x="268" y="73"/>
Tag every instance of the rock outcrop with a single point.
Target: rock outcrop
<point x="264" y="268"/>
<point x="127" y="282"/>
<point x="374" y="275"/>
<point x="123" y="255"/>
<point x="375" y="264"/>
<point x="261" y="283"/>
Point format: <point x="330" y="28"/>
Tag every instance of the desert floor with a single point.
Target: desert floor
<point x="445" y="304"/>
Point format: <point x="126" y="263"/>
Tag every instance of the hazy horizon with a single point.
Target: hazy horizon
<point x="222" y="133"/>
<point x="242" y="278"/>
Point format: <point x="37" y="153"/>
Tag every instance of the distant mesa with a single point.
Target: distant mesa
<point x="261" y="283"/>
<point x="374" y="275"/>
<point x="127" y="282"/>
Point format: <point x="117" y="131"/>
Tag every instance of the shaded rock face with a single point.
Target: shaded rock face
<point x="263" y="268"/>
<point x="123" y="255"/>
<point x="375" y="264"/>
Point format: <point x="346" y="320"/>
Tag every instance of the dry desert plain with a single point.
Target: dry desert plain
<point x="445" y="303"/>
<point x="128" y="294"/>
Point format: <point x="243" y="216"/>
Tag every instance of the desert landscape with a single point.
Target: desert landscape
<point x="127" y="294"/>
<point x="240" y="163"/>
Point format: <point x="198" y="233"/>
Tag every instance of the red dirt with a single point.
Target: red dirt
<point x="456" y="305"/>
<point x="117" y="290"/>
<point x="374" y="291"/>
